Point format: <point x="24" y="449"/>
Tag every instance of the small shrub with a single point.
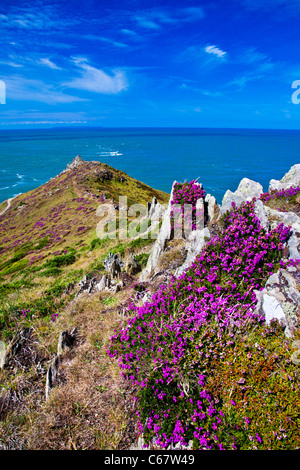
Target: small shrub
<point x="61" y="260"/>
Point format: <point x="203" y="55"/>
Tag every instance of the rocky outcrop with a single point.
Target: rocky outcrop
<point x="113" y="265"/>
<point x="291" y="178"/>
<point x="19" y="341"/>
<point x="132" y="266"/>
<point x="212" y="208"/>
<point x="280" y="299"/>
<point x="66" y="341"/>
<point x="159" y="244"/>
<point x="195" y="243"/>
<point x="246" y="191"/>
<point x="75" y="162"/>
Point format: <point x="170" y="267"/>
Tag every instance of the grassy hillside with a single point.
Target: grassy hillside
<point x="48" y="242"/>
<point x="193" y="363"/>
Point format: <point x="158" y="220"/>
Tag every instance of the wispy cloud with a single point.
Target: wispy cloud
<point x="158" y="18"/>
<point x="94" y="37"/>
<point x="258" y="73"/>
<point x="215" y="51"/>
<point x="98" y="81"/>
<point x="48" y="63"/>
<point x="19" y="88"/>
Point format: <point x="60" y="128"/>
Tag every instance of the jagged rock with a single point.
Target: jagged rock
<point x="113" y="265"/>
<point x="2" y="354"/>
<point x="75" y="162"/>
<point x="52" y="374"/>
<point x="103" y="175"/>
<point x="260" y="212"/>
<point x="160" y="242"/>
<point x="195" y="244"/>
<point x="87" y="285"/>
<point x="246" y="191"/>
<point x="101" y="286"/>
<point x="280" y="299"/>
<point x="66" y="341"/>
<point x="291" y="178"/>
<point x="152" y="206"/>
<point x="18" y="341"/>
<point x="288" y="219"/>
<point x="294" y="246"/>
<point x="213" y="209"/>
<point x="132" y="267"/>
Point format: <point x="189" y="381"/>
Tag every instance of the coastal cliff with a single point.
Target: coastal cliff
<point x="168" y="338"/>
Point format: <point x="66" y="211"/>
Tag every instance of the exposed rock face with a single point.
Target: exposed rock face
<point x="160" y="243"/>
<point x="280" y="299"/>
<point x="246" y="191"/>
<point x="75" y="162"/>
<point x="65" y="343"/>
<point x="195" y="244"/>
<point x="260" y="212"/>
<point x="291" y="178"/>
<point x="213" y="209"/>
<point x="20" y="339"/>
<point x="132" y="267"/>
<point x="113" y="265"/>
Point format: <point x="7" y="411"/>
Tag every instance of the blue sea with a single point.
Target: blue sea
<point x="219" y="158"/>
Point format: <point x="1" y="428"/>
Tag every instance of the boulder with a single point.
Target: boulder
<point x="291" y="178"/>
<point x="260" y="212"/>
<point x="132" y="266"/>
<point x="280" y="300"/>
<point x="246" y="191"/>
<point x="103" y="284"/>
<point x="289" y="219"/>
<point x="113" y="265"/>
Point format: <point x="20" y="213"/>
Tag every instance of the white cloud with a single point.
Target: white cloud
<point x="98" y="81"/>
<point x="48" y="63"/>
<point x="216" y="51"/>
<point x="19" y="88"/>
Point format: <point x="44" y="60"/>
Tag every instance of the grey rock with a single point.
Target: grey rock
<point x="66" y="341"/>
<point x="16" y="344"/>
<point x="291" y="178"/>
<point x="246" y="191"/>
<point x="194" y="245"/>
<point x="160" y="243"/>
<point x="132" y="266"/>
<point x="113" y="264"/>
<point x="102" y="284"/>
<point x="287" y="218"/>
<point x="52" y="376"/>
<point x="213" y="209"/>
<point x="260" y="212"/>
<point x="280" y="300"/>
<point x="75" y="162"/>
<point x="294" y="247"/>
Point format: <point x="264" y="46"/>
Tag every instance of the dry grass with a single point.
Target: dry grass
<point x="92" y="407"/>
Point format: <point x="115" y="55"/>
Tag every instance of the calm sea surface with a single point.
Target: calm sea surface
<point x="219" y="158"/>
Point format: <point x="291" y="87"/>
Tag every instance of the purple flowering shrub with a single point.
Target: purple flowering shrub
<point x="178" y="348"/>
<point x="185" y="197"/>
<point x="282" y="199"/>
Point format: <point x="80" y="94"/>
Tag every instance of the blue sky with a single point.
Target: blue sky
<point x="150" y="63"/>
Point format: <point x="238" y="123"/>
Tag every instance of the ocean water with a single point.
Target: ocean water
<point x="219" y="158"/>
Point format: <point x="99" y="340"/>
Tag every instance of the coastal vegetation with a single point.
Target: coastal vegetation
<point x="186" y="361"/>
